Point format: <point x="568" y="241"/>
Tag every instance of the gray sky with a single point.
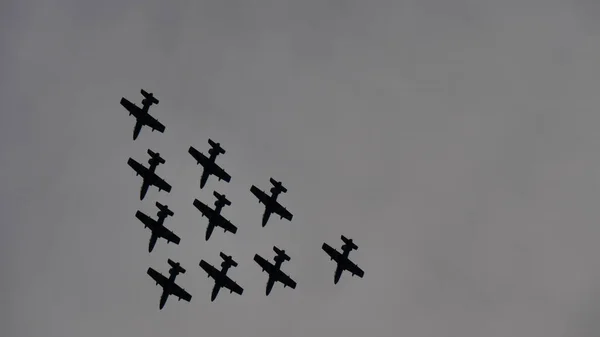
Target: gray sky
<point x="455" y="141"/>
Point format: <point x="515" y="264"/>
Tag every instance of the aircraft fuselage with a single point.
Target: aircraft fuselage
<point x="341" y="265"/>
<point x="219" y="282"/>
<point x="208" y="168"/>
<point x="273" y="275"/>
<point x="167" y="290"/>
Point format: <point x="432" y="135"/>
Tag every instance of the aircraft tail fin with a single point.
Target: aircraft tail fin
<point x="164" y="208"/>
<point x="281" y="253"/>
<point x="349" y="242"/>
<point x="177" y="266"/>
<point x="278" y="185"/>
<point x="149" y="96"/>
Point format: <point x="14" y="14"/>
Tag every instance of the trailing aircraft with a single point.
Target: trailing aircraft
<point x="220" y="276"/>
<point x="141" y="114"/>
<point x="168" y="284"/>
<point x="270" y="201"/>
<point x="157" y="226"/>
<point x="148" y="174"/>
<point x="343" y="263"/>
<point x="214" y="216"/>
<point x="274" y="271"/>
<point x="210" y="167"/>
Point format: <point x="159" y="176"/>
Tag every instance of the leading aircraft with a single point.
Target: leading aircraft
<point x="168" y="284"/>
<point x="274" y="271"/>
<point x="220" y="276"/>
<point x="157" y="226"/>
<point x="270" y="201"/>
<point x="141" y="114"/>
<point x="210" y="167"/>
<point x="214" y="216"/>
<point x="343" y="263"/>
<point x="148" y="174"/>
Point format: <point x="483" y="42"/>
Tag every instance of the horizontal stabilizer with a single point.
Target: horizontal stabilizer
<point x="281" y="253"/>
<point x="228" y="259"/>
<point x="349" y="243"/>
<point x="149" y="96"/>
<point x="216" y="146"/>
<point x="278" y="185"/>
<point x="177" y="266"/>
<point x="156" y="156"/>
<point x="222" y="198"/>
<point x="164" y="208"/>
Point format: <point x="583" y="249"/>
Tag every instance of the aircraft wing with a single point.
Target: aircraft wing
<point x="334" y="254"/>
<point x="220" y="173"/>
<point x="200" y="158"/>
<point x="264" y="264"/>
<point x="153" y="123"/>
<point x="262" y="196"/>
<point x="169" y="236"/>
<point x="226" y="224"/>
<point x="353" y="268"/>
<point x="282" y="211"/>
<point x="146" y="220"/>
<point x="160" y="183"/>
<point x="159" y="278"/>
<point x="137" y="167"/>
<point x="132" y="108"/>
<point x="180" y="292"/>
<point x="210" y="270"/>
<point x="285" y="279"/>
<point x="231" y="285"/>
<point x="205" y="210"/>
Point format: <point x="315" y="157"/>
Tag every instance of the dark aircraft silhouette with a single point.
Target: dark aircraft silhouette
<point x="141" y="114"/>
<point x="157" y="227"/>
<point x="168" y="284"/>
<point x="214" y="216"/>
<point x="343" y="263"/>
<point x="148" y="174"/>
<point x="271" y="203"/>
<point x="274" y="271"/>
<point x="210" y="167"/>
<point x="220" y="276"/>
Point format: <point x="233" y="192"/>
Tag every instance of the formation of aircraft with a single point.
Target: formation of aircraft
<point x="149" y="174"/>
<point x="210" y="167"/>
<point x="215" y="218"/>
<point x="270" y="201"/>
<point x="141" y="114"/>
<point x="342" y="260"/>
<point x="168" y="284"/>
<point x="157" y="226"/>
<point x="220" y="276"/>
<point x="274" y="271"/>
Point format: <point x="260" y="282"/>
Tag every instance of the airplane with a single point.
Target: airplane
<point x="210" y="167"/>
<point x="148" y="174"/>
<point x="343" y="263"/>
<point x="270" y="201"/>
<point x="157" y="227"/>
<point x="168" y="284"/>
<point x="214" y="216"/>
<point x="220" y="276"/>
<point x="274" y="271"/>
<point x="141" y="114"/>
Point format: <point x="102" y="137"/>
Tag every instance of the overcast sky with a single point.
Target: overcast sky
<point x="457" y="142"/>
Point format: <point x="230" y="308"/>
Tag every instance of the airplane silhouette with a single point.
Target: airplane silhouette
<point x="141" y="114"/>
<point x="148" y="174"/>
<point x="157" y="227"/>
<point x="168" y="284"/>
<point x="274" y="271"/>
<point x="210" y="167"/>
<point x="271" y="203"/>
<point x="220" y="276"/>
<point x="214" y="216"/>
<point x="343" y="263"/>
